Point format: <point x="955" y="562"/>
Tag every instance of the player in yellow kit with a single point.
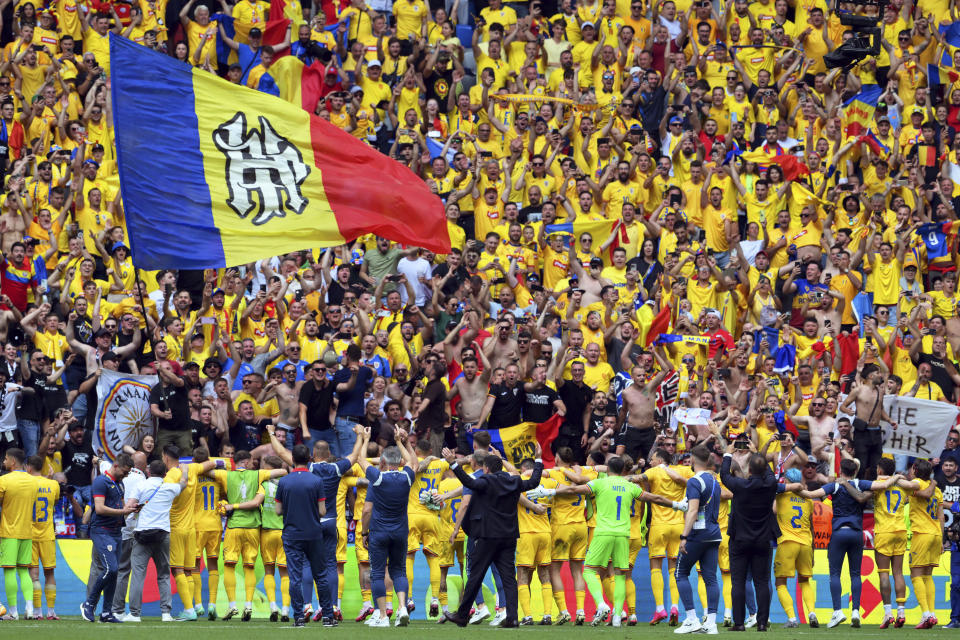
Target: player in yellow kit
<point x="926" y="522"/>
<point x="568" y="526"/>
<point x="794" y="549"/>
<point x="44" y="538"/>
<point x="666" y="527"/>
<point x="638" y="539"/>
<point x="347" y="484"/>
<point x="424" y="523"/>
<point x="451" y="491"/>
<point x="890" y="543"/>
<point x="209" y="524"/>
<point x="183" y="531"/>
<point x="363" y="557"/>
<point x="534" y="548"/>
<point x="18" y="494"/>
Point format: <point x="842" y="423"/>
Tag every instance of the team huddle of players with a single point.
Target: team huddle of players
<point x="557" y="523"/>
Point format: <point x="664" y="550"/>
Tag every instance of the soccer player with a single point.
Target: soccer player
<point x="18" y="493"/>
<point x="534" y="546"/>
<point x="105" y="525"/>
<point x="638" y="512"/>
<point x="849" y="495"/>
<point x="183" y="532"/>
<point x="242" y="538"/>
<point x="569" y="532"/>
<point x="890" y="543"/>
<point x="424" y="523"/>
<point x="794" y="554"/>
<point x="611" y="540"/>
<point x="271" y="545"/>
<point x="209" y="525"/>
<point x="360" y="550"/>
<point x="700" y="542"/>
<point x="666" y="525"/>
<point x="385" y="523"/>
<point x="451" y="543"/>
<point x="926" y="522"/>
<point x="44" y="538"/>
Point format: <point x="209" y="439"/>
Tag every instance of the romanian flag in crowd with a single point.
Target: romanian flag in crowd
<point x="291" y="80"/>
<point x="941" y="75"/>
<point x="871" y="140"/>
<point x="599" y="230"/>
<point x="519" y="441"/>
<point x="950" y="32"/>
<point x="858" y="111"/>
<point x="284" y="13"/>
<point x="233" y="175"/>
<point x="274" y="32"/>
<point x="792" y="166"/>
<point x="652" y="326"/>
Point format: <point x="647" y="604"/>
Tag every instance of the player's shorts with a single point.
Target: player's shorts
<point x="183" y="549"/>
<point x="664" y="540"/>
<point x="271" y="547"/>
<point x="569" y="542"/>
<point x="15" y="552"/>
<point x="342" y="543"/>
<point x="363" y="555"/>
<point x="636" y="546"/>
<point x="241" y="543"/>
<point x="925" y="549"/>
<point x="45" y="553"/>
<point x="723" y="554"/>
<point x="424" y="529"/>
<point x="534" y="549"/>
<point x="890" y="544"/>
<point x="208" y="544"/>
<point x="793" y="558"/>
<point x="605" y="549"/>
<point x="453" y="551"/>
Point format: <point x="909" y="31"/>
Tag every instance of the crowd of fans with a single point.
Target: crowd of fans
<point x="519" y="116"/>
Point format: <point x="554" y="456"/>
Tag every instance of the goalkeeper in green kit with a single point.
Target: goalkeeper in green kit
<point x="614" y="496"/>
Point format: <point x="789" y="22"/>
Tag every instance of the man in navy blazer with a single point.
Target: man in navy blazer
<point x="491" y="519"/>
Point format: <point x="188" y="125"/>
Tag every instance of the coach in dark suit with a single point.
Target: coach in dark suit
<point x="752" y="529"/>
<point x="491" y="519"/>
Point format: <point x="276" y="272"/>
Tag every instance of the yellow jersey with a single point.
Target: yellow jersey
<point x="18" y="493"/>
<point x="794" y="515"/>
<point x="48" y="492"/>
<point x="347" y="482"/>
<point x="184" y="506"/>
<point x="637" y="516"/>
<point x="451" y="507"/>
<point x="206" y="517"/>
<point x="662" y="484"/>
<point x="924" y="512"/>
<point x="529" y="520"/>
<point x="359" y="502"/>
<point x="428" y="480"/>
<point x="566" y="509"/>
<point x="889" y="510"/>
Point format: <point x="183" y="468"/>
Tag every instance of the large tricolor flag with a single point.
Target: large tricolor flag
<point x="791" y="165"/>
<point x="214" y="175"/>
<point x="519" y="441"/>
<point x="291" y="80"/>
<point x="599" y="230"/>
<point x="858" y="111"/>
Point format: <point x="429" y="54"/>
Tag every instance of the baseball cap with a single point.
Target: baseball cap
<point x="587" y="24"/>
<point x="676" y="120"/>
<point x="765" y="254"/>
<point x="109" y="355"/>
<point x="118" y="245"/>
<point x="99" y="334"/>
<point x="917" y="112"/>
<point x="712" y="312"/>
<point x="910" y="261"/>
<point x="596" y="262"/>
<point x="374" y="63"/>
<point x="255" y="32"/>
<point x="331" y="71"/>
<point x="635" y="70"/>
<point x="218" y="290"/>
<point x="358" y="89"/>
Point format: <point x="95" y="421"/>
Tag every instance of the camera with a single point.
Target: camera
<point x="866" y="34"/>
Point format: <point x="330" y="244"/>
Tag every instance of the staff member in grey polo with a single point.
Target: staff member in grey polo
<point x="151" y="536"/>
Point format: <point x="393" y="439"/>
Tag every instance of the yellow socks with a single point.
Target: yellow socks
<point x="523" y="595"/>
<point x="920" y="590"/>
<point x="656" y="584"/>
<point x="341" y="581"/>
<point x="213" y="582"/>
<point x="561" y="599"/>
<point x="365" y="595"/>
<point x="674" y="591"/>
<point x="783" y="593"/>
<point x="249" y="582"/>
<point x="285" y="590"/>
<point x="546" y="595"/>
<point x="410" y="557"/>
<point x="809" y="595"/>
<point x="434" y="563"/>
<point x="608" y="588"/>
<point x="270" y="586"/>
<point x="581" y="598"/>
<point x="197" y="587"/>
<point x="37" y="596"/>
<point x="185" y="589"/>
<point x="727" y="589"/>
<point x="931" y="593"/>
<point x="631" y="597"/>
<point x="51" y="591"/>
<point x="229" y="583"/>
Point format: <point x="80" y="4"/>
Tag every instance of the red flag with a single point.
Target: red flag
<point x="791" y="165"/>
<point x="849" y="346"/>
<point x="660" y="324"/>
<point x="546" y="434"/>
<point x="792" y="428"/>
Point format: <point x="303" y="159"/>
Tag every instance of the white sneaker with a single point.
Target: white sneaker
<point x="480" y="615"/>
<point x="617" y="621"/>
<point x="855" y="619"/>
<point x="751" y="621"/>
<point x="709" y="629"/>
<point x="836" y="619"/>
<point x="164" y="618"/>
<point x="403" y="618"/>
<point x="374" y="618"/>
<point x="690" y="625"/>
<point x="132" y="618"/>
<point x="601" y="615"/>
<point x="499" y="617"/>
<point x="380" y="622"/>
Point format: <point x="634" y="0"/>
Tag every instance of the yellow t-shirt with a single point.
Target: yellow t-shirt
<point x="207" y="496"/>
<point x="184" y="507"/>
<point x="889" y="510"/>
<point x="923" y="511"/>
<point x="48" y="492"/>
<point x="794" y="515"/>
<point x="662" y="484"/>
<point x="18" y="493"/>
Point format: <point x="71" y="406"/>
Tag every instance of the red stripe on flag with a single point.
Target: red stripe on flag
<point x="660" y="324"/>
<point x="370" y="193"/>
<point x="546" y="434"/>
